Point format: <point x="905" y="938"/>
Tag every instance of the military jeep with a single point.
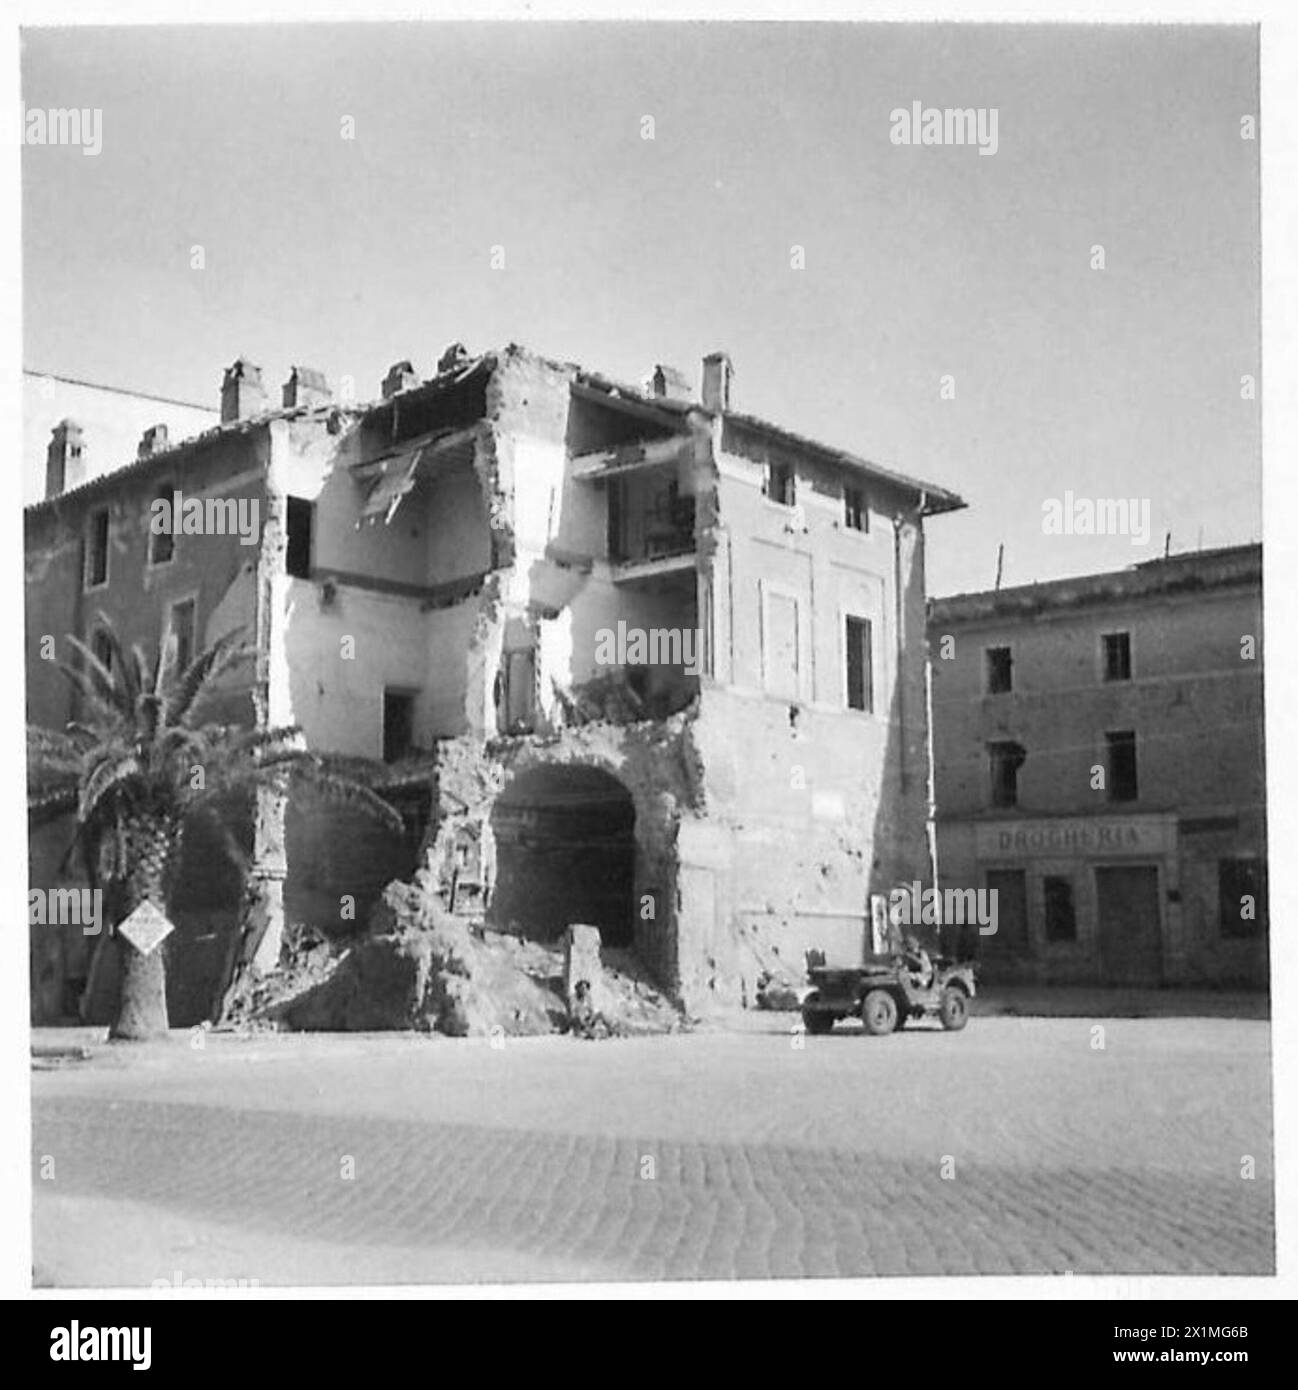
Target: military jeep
<point x="885" y="992"/>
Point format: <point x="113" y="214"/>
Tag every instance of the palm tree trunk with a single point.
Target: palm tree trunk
<point x="142" y="1012"/>
<point x="142" y="1006"/>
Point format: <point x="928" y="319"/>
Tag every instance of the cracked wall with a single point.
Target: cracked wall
<point x="655" y="763"/>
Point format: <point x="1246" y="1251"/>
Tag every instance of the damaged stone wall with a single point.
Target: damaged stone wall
<point x="806" y="823"/>
<point x="812" y="807"/>
<point x="764" y="821"/>
<point x="552" y="526"/>
<point x="654" y="762"/>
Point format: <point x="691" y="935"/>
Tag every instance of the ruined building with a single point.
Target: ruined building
<point x="635" y="657"/>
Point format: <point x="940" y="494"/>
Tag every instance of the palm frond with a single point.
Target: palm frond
<point x="130" y="760"/>
<point x="144" y="667"/>
<point x="109" y="774"/>
<point x="54" y="745"/>
<point x="207" y="667"/>
<point x="51" y="803"/>
<point x="122" y="674"/>
<point x="98" y="676"/>
<point x="317" y="773"/>
<point x="168" y="665"/>
<point x="105" y="708"/>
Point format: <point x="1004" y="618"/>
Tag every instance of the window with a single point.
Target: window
<point x="398" y="724"/>
<point x="1122" y="765"/>
<point x="1117" y="656"/>
<point x="1061" y="919"/>
<point x="162" y="544"/>
<point x="1241" y="892"/>
<point x="669" y="523"/>
<point x="180" y="628"/>
<point x="860" y="664"/>
<point x="1000" y="670"/>
<point x="856" y="512"/>
<point x="1005" y="759"/>
<point x="102" y="648"/>
<point x="97" y="549"/>
<point x="779" y="485"/>
<point x="300" y="517"/>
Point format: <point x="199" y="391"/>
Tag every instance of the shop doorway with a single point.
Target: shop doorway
<point x="1010" y="942"/>
<point x="1130" y="925"/>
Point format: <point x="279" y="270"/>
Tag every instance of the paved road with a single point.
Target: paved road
<point x="1017" y="1147"/>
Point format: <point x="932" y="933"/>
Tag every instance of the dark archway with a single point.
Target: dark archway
<point x="565" y="852"/>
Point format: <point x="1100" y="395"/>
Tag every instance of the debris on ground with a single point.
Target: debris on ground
<point x="773" y="992"/>
<point x="51" y="1058"/>
<point x="419" y="967"/>
<point x="308" y="959"/>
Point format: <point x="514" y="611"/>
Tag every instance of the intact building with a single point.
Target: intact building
<point x="634" y="658"/>
<point x="81" y="430"/>
<point x="1098" y="753"/>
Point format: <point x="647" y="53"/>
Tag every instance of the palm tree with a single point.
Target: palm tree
<point x="140" y="763"/>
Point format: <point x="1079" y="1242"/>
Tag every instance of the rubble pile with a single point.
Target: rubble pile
<point x="421" y="968"/>
<point x="307" y="960"/>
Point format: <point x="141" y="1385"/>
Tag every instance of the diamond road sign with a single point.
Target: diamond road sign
<point x="146" y="928"/>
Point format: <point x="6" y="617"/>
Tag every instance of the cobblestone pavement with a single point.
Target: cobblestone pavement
<point x="1020" y="1146"/>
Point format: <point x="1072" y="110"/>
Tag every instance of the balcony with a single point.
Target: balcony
<point x="651" y="528"/>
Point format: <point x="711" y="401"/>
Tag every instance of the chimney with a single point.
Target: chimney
<point x="454" y="356"/>
<point x="717" y="376"/>
<point x="242" y="394"/>
<point x="670" y="383"/>
<point x="152" y="441"/>
<point x="401" y="377"/>
<point x="306" y="387"/>
<point x="65" y="459"/>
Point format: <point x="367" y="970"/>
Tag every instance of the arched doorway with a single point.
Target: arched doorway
<point x="565" y="852"/>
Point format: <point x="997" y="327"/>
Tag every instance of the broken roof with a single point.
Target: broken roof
<point x="397" y="473"/>
<point x="934" y="499"/>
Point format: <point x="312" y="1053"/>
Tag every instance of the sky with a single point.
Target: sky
<point x="947" y="318"/>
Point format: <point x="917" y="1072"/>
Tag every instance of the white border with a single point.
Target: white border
<point x="1279" y="135"/>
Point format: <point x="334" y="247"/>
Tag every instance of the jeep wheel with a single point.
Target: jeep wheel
<point x="816" y="1020"/>
<point x="954" y="1009"/>
<point x="879" y="1012"/>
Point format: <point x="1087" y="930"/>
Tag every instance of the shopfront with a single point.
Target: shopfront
<point x="1083" y="899"/>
